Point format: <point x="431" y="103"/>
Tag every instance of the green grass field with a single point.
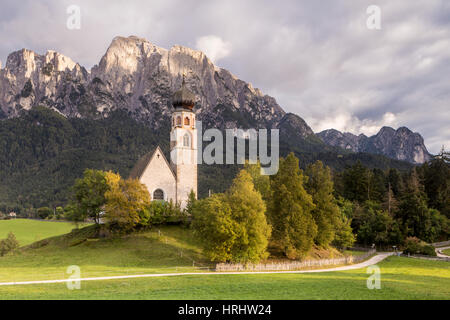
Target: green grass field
<point x="401" y="278"/>
<point x="165" y="249"/>
<point x="446" y="252"/>
<point x="171" y="249"/>
<point x="29" y="231"/>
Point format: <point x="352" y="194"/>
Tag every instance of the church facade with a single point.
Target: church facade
<point x="173" y="180"/>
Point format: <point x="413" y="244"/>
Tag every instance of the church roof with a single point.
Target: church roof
<point x="142" y="164"/>
<point x="183" y="97"/>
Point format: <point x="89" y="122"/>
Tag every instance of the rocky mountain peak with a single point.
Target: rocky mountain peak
<point x="136" y="76"/>
<point x="139" y="77"/>
<point x="401" y="144"/>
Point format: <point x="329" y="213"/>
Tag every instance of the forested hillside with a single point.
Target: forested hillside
<point x="43" y="152"/>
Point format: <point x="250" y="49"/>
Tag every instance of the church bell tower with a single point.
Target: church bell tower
<point x="183" y="144"/>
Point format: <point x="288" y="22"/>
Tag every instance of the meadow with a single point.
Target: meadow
<point x="401" y="278"/>
<point x="29" y="231"/>
<point x="169" y="249"/>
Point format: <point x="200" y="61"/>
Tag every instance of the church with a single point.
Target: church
<point x="173" y="180"/>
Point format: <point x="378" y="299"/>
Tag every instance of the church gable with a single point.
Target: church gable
<point x="156" y="174"/>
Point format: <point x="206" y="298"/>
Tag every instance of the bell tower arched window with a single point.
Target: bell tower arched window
<point x="186" y="140"/>
<point x="187" y="121"/>
<point x="178" y="121"/>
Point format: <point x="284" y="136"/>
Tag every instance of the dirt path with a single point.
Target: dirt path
<point x="372" y="261"/>
<point x="440" y="254"/>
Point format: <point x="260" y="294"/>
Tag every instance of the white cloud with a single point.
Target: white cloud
<point x="345" y="122"/>
<point x="214" y="47"/>
<point x="324" y="65"/>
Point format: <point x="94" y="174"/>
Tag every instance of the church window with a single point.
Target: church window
<point x="187" y="121"/>
<point x="186" y="140"/>
<point x="158" y="194"/>
<point x="178" y="121"/>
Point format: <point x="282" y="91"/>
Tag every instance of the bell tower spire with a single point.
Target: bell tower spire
<point x="183" y="143"/>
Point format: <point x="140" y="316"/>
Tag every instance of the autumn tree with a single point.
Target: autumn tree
<point x="126" y="205"/>
<point x="293" y="226"/>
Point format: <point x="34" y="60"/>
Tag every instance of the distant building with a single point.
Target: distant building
<point x="175" y="180"/>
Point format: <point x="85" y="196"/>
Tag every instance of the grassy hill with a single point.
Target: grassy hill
<point x="163" y="249"/>
<point x="28" y="231"/>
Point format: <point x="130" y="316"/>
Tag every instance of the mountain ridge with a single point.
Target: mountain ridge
<point x="139" y="77"/>
<point x="401" y="144"/>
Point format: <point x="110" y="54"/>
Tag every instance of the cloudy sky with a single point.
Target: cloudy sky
<point x="317" y="58"/>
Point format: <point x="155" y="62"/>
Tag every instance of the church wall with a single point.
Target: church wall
<point x="158" y="175"/>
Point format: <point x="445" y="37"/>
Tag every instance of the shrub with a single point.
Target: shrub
<point x="44" y="212"/>
<point x="9" y="244"/>
<point x="428" y="250"/>
<point x="414" y="245"/>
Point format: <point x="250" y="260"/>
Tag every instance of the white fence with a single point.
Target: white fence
<point x="292" y="265"/>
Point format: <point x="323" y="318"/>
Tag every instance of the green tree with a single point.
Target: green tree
<point x="376" y="225"/>
<point x="261" y="182"/>
<point x="413" y="212"/>
<point x="9" y="244"/>
<point x="344" y="236"/>
<point x="396" y="182"/>
<point x="233" y="226"/>
<point x="248" y="210"/>
<point x="437" y="183"/>
<point x="89" y="194"/>
<point x="59" y="212"/>
<point x="377" y="185"/>
<point x="293" y="226"/>
<point x="215" y="227"/>
<point x="356" y="183"/>
<point x="192" y="199"/>
<point x="326" y="213"/>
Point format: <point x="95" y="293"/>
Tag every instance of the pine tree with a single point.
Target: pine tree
<point x="413" y="209"/>
<point x="326" y="213"/>
<point x="437" y="183"/>
<point x="192" y="199"/>
<point x="356" y="180"/>
<point x="293" y="226"/>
